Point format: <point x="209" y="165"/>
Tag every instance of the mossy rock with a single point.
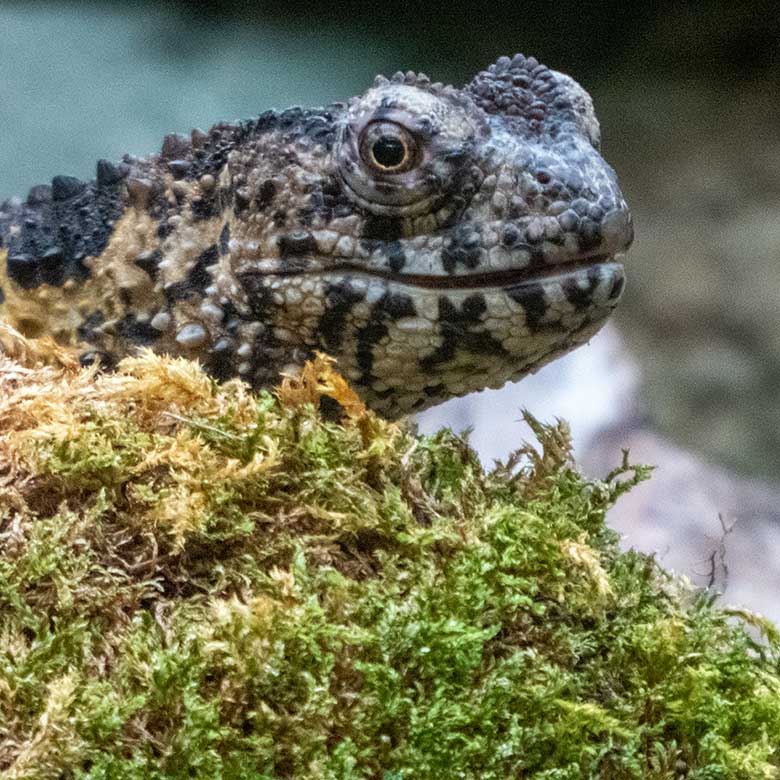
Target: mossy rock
<point x="199" y="582"/>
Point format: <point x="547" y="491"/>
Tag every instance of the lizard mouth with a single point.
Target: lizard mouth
<point x="502" y="279"/>
<point x="507" y="279"/>
<point x="497" y="280"/>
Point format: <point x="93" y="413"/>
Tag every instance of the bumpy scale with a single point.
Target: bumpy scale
<point x="434" y="240"/>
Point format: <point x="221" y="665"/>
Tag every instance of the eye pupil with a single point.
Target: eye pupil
<point x="388" y="151"/>
<point x="387" y="148"/>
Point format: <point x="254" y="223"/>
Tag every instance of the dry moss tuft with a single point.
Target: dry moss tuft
<point x="199" y="582"/>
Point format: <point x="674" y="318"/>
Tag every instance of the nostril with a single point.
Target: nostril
<point x="617" y="229"/>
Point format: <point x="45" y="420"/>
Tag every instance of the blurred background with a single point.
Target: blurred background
<point x="687" y="94"/>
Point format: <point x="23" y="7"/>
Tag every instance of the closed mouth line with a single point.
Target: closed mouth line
<point x="507" y="278"/>
<point x="487" y="279"/>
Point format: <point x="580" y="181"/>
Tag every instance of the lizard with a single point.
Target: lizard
<point x="433" y="240"/>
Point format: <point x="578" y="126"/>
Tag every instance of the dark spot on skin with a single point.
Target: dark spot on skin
<point x="164" y="230"/>
<point x="382" y="228"/>
<point x="220" y="361"/>
<point x="339" y="300"/>
<point x="390" y="307"/>
<point x="331" y="189"/>
<point x="578" y="297"/>
<point x="531" y="297"/>
<point x="268" y="356"/>
<point x="198" y="278"/>
<point x="536" y="258"/>
<point x="280" y="217"/>
<point x="298" y="243"/>
<point x="140" y="333"/>
<point x="148" y="261"/>
<point x="458" y="334"/>
<point x="224" y="239"/>
<point x="2" y="296"/>
<point x="23" y="269"/>
<point x="265" y="194"/>
<point x="618" y="283"/>
<point x="205" y="207"/>
<point x="396" y="257"/>
<point x="394" y="306"/>
<point x="462" y="248"/>
<point x="435" y="391"/>
<point x="103" y="359"/>
<point x="85" y="331"/>
<point x="511" y="236"/>
<point x="260" y="299"/>
<point x="325" y="200"/>
<point x="52" y="266"/>
<point x="232" y="317"/>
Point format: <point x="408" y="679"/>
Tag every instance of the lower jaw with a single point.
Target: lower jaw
<point x="485" y="371"/>
<point x="545" y="317"/>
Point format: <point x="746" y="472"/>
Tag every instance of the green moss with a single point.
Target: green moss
<point x="243" y="590"/>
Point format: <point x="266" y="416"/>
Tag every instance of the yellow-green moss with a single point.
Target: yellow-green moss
<point x="200" y="583"/>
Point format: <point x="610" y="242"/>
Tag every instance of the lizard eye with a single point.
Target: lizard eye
<point x="403" y="152"/>
<point x="388" y="148"/>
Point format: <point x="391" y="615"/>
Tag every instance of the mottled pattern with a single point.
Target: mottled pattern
<point x="434" y="240"/>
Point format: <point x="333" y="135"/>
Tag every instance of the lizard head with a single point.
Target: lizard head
<point x="450" y="239"/>
<point x="434" y="240"/>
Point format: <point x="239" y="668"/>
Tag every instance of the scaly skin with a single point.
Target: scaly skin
<point x="434" y="240"/>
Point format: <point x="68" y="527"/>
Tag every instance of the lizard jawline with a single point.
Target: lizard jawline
<point x="486" y="280"/>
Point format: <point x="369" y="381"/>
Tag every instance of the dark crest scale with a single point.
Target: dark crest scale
<point x="434" y="240"/>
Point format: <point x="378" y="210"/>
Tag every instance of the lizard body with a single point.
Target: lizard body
<point x="434" y="240"/>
